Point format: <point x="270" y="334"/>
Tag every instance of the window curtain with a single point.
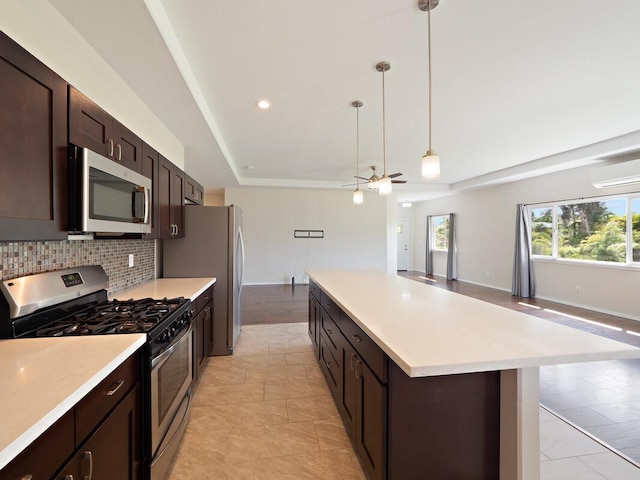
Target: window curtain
<point x="428" y="267"/>
<point x="523" y="282"/>
<point x="452" y="252"/>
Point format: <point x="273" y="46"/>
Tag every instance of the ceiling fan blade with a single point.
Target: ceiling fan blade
<point x="393" y="175"/>
<point x="398" y="181"/>
<point x="361" y="178"/>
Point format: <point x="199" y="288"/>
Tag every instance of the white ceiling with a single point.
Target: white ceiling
<point x="518" y="88"/>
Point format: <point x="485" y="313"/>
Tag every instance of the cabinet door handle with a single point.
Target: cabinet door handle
<point x="357" y="338"/>
<point x="110" y="142"/>
<point x="117" y="387"/>
<point x="329" y="331"/>
<point x="358" y="371"/>
<point x="328" y="364"/>
<point x="354" y="357"/>
<point x="88" y="456"/>
<point x="119" y="156"/>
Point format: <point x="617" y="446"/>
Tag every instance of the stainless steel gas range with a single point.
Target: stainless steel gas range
<point x="74" y="302"/>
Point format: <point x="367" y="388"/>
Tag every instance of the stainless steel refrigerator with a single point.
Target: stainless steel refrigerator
<point x="212" y="247"/>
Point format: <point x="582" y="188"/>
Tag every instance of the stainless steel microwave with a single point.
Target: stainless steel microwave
<point x="105" y="196"/>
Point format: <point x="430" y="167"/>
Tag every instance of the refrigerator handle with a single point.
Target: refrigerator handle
<point x="240" y="264"/>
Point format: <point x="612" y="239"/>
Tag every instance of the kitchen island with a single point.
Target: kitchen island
<point x="432" y="384"/>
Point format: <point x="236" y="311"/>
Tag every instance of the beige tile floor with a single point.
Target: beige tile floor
<point x="266" y="413"/>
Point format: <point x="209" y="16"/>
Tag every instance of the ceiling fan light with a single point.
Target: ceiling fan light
<point x="431" y="166"/>
<point x="358" y="197"/>
<point x="384" y="185"/>
<point x="373" y="185"/>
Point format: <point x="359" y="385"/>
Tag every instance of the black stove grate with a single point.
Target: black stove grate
<point x="116" y="316"/>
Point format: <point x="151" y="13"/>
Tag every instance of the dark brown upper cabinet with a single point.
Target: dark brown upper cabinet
<point x="33" y="147"/>
<point x="92" y="127"/>
<point x="170" y="200"/>
<point x="193" y="191"/>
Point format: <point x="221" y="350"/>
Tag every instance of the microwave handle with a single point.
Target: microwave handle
<point x="147" y="205"/>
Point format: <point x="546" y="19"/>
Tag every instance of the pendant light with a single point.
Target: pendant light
<point x="430" y="160"/>
<point x="384" y="184"/>
<point x="358" y="196"/>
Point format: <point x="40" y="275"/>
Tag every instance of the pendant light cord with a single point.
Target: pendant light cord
<point x="384" y="134"/>
<point x="357" y="148"/>
<point x="429" y="62"/>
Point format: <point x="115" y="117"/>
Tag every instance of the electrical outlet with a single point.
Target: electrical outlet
<point x="578" y="289"/>
<point x="131" y="260"/>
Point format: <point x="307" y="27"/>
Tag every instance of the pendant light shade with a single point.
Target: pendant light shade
<point x="358" y="196"/>
<point x="430" y="160"/>
<point x="384" y="183"/>
<point x="431" y="166"/>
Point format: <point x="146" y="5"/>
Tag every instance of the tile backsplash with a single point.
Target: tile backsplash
<point x="18" y="259"/>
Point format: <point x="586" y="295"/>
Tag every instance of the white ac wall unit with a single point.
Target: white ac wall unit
<point x="618" y="174"/>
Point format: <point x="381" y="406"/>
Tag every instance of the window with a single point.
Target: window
<point x="542" y="231"/>
<point x="606" y="230"/>
<point x="440" y="231"/>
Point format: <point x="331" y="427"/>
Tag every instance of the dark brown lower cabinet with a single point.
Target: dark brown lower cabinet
<point x="364" y="405"/>
<point x="402" y="428"/>
<point x="198" y="345"/>
<point x="113" y="451"/>
<point x="202" y="331"/>
<point x="100" y="438"/>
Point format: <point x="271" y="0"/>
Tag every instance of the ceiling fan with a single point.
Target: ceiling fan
<point x="372" y="181"/>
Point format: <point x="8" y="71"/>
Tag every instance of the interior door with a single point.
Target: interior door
<point x="403" y="244"/>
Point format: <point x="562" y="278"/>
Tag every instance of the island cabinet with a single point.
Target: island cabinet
<point x="98" y="439"/>
<point x="92" y="127"/>
<point x="314" y="317"/>
<point x="33" y="147"/>
<point x="202" y="331"/>
<point x="170" y="200"/>
<point x="404" y="428"/>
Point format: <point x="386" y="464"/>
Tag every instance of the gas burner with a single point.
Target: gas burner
<point x="117" y="316"/>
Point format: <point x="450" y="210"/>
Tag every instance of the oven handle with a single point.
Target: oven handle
<point x="160" y="359"/>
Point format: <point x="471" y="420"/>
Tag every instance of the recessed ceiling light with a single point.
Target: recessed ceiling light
<point x="406" y="204"/>
<point x="249" y="167"/>
<point x="263" y="104"/>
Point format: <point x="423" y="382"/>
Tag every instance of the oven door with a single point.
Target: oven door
<point x="171" y="374"/>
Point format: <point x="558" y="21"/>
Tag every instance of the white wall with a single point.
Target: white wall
<point x="40" y="29"/>
<point x="485" y="222"/>
<point x="355" y="236"/>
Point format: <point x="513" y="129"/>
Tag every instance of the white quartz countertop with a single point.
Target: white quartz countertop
<point x="190" y="288"/>
<point x="431" y="331"/>
<point x="43" y="378"/>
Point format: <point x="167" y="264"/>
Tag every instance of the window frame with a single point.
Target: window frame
<point x="628" y="198"/>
